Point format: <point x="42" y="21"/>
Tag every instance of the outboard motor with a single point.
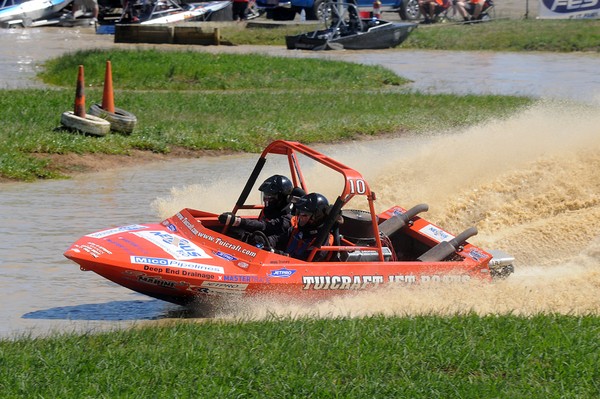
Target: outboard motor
<point x="445" y="248"/>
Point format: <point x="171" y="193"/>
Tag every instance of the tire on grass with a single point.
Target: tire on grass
<point x="120" y="121"/>
<point x="90" y="124"/>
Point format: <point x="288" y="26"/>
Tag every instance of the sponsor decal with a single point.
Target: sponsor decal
<point x="153" y="280"/>
<point x="569" y="6"/>
<point x="244" y="279"/>
<point x="424" y="279"/>
<point x="243" y="265"/>
<point x="214" y="291"/>
<point x="139" y="249"/>
<point x="91" y="248"/>
<point x="216" y="240"/>
<point x="122" y="229"/>
<point x="282" y="273"/>
<point x="214" y="288"/>
<point x="225" y="256"/>
<point x="224" y="286"/>
<point x="571" y="9"/>
<point x="119" y="245"/>
<point x="476" y="255"/>
<point x="436" y="233"/>
<point x="176" y="246"/>
<point x="156" y="281"/>
<point x="340" y="282"/>
<point x="169" y="226"/>
<point x="167" y="265"/>
<point x="446" y="278"/>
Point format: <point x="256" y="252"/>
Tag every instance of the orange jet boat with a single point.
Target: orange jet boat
<point x="190" y="257"/>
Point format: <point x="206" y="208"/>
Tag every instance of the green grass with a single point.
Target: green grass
<point x="545" y="356"/>
<point x="192" y="70"/>
<point x="327" y="102"/>
<point x="498" y="35"/>
<point x="510" y="35"/>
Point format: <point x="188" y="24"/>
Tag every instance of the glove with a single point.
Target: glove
<point x="259" y="241"/>
<point x="228" y="219"/>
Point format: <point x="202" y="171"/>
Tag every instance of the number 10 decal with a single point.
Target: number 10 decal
<point x="357" y="186"/>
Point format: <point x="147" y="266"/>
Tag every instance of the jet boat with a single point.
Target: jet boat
<point x="190" y="256"/>
<point x="345" y="29"/>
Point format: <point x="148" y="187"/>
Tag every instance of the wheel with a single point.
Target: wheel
<point x="90" y="124"/>
<point x="409" y="10"/>
<point x="316" y="12"/>
<point x="120" y="121"/>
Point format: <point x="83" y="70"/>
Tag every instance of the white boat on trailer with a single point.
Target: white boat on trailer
<point x="168" y="11"/>
<point x="31" y="13"/>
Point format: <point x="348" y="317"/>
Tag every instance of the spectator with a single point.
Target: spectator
<point x="239" y="9"/>
<point x="470" y="10"/>
<point x="430" y="9"/>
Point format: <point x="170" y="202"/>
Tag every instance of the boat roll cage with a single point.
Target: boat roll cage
<point x="354" y="185"/>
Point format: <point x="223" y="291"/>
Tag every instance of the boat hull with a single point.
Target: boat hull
<point x="182" y="260"/>
<point x="33" y="10"/>
<point x="382" y="36"/>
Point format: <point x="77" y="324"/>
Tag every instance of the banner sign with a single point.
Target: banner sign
<point x="569" y="9"/>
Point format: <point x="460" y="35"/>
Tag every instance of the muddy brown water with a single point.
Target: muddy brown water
<point x="530" y="185"/>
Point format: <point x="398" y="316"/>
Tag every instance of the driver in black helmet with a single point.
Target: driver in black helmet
<point x="275" y="218"/>
<point x="310" y="213"/>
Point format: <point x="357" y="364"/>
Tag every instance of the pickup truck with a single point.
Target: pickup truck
<point x="286" y="10"/>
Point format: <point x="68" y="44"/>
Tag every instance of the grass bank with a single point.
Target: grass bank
<point x="498" y="35"/>
<point x="545" y="356"/>
<point x="200" y="101"/>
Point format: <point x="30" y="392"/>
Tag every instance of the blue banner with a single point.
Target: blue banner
<point x="569" y="9"/>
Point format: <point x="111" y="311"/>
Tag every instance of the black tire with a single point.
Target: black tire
<point x="120" y="121"/>
<point x="409" y="10"/>
<point x="315" y="12"/>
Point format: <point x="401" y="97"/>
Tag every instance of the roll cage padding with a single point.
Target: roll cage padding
<point x="250" y="183"/>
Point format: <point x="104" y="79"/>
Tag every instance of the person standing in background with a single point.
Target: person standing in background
<point x="239" y="9"/>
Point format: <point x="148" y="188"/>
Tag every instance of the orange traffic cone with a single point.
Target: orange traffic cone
<point x="108" y="101"/>
<point x="80" y="95"/>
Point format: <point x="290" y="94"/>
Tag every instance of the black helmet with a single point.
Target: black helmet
<point x="314" y="204"/>
<point x="275" y="190"/>
<point x="277" y="184"/>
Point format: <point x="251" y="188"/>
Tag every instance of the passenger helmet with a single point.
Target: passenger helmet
<point x="314" y="204"/>
<point x="275" y="191"/>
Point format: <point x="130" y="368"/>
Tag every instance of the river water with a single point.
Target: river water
<point x="529" y="183"/>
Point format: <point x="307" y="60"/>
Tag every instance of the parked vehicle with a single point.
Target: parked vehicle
<point x="286" y="10"/>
